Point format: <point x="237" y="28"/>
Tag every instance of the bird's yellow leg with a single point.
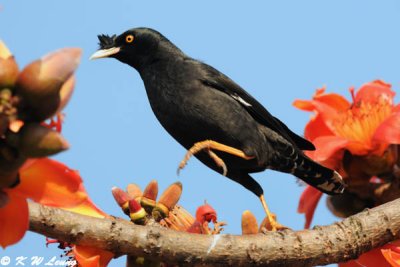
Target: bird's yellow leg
<point x="210" y="145"/>
<point x="270" y="217"/>
<point x="273" y="224"/>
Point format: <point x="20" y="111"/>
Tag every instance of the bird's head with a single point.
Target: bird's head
<point x="135" y="47"/>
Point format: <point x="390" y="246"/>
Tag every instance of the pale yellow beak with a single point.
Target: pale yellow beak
<point x="105" y="52"/>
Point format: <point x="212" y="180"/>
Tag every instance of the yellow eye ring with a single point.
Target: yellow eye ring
<point x="129" y="38"/>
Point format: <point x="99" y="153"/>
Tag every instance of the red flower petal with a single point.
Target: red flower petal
<point x="91" y="257"/>
<point x="389" y="131"/>
<point x="306" y="105"/>
<point x="308" y="203"/>
<point x="333" y="100"/>
<point x="327" y="147"/>
<point x="336" y="101"/>
<point x="14" y="220"/>
<point x="316" y="127"/>
<point x="369" y="92"/>
<point x="51" y="183"/>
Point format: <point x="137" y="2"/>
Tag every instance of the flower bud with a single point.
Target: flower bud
<point x="137" y="213"/>
<point x="148" y="200"/>
<point x="167" y="201"/>
<point x="122" y="198"/>
<point x="134" y="191"/>
<point x="37" y="141"/>
<point x="249" y="223"/>
<point x="8" y="67"/>
<point x="40" y="83"/>
<point x="66" y="92"/>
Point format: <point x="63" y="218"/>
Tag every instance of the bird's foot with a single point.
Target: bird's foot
<point x="208" y="146"/>
<point x="271" y="224"/>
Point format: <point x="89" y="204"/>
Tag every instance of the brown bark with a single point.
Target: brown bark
<point x="334" y="243"/>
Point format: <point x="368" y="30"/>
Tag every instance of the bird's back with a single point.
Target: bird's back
<point x="191" y="111"/>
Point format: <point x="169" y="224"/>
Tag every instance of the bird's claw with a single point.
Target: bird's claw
<point x="212" y="155"/>
<point x="208" y="145"/>
<point x="271" y="224"/>
<point x="218" y="161"/>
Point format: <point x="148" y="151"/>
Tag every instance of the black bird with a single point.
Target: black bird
<point x="213" y="117"/>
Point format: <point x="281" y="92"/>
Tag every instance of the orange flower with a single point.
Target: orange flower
<point x="365" y="131"/>
<point x="365" y="127"/>
<point x="45" y="181"/>
<point x="50" y="183"/>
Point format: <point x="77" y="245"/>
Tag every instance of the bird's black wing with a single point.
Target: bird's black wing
<point x="216" y="80"/>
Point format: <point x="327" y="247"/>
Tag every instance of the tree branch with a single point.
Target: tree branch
<point x="334" y="243"/>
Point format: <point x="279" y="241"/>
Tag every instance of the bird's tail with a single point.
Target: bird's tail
<point x="296" y="162"/>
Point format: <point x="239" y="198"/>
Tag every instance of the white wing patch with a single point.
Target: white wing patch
<point x="241" y="100"/>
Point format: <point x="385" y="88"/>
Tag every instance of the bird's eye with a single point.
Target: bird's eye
<point x="129" y="38"/>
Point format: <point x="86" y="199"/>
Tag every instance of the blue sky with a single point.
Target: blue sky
<point x="278" y="51"/>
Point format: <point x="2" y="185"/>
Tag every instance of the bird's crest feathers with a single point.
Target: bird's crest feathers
<point x="106" y="41"/>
